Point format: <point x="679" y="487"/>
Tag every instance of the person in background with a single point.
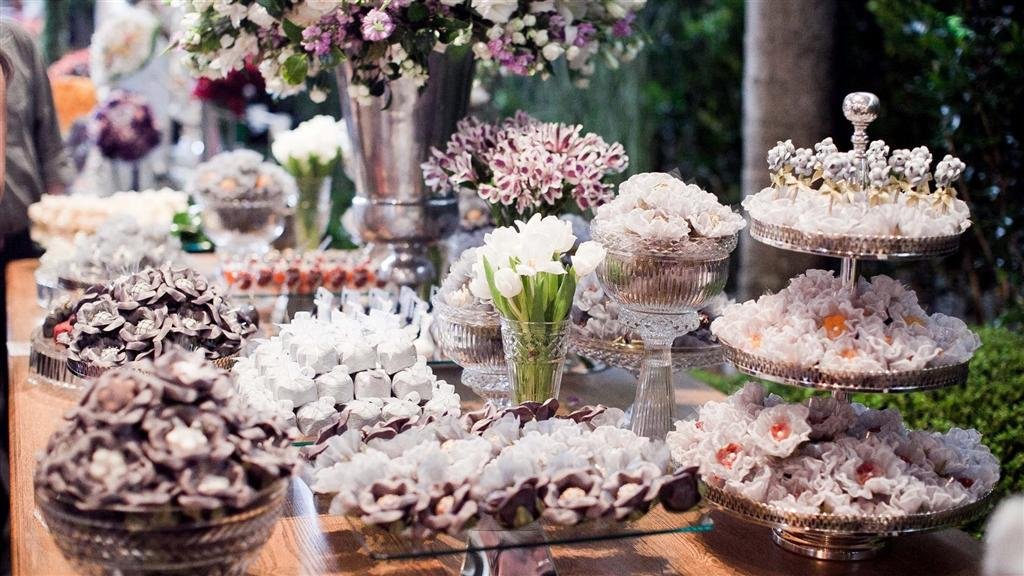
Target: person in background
<point x="34" y="163"/>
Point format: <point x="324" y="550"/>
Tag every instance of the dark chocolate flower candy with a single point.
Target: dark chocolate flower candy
<point x="517" y="505"/>
<point x="446" y="508"/>
<point x="388" y="502"/>
<point x="571" y="495"/>
<point x="98" y="316"/>
<point x="103" y="351"/>
<point x="143" y="326"/>
<point x="630" y="493"/>
<point x="138" y="289"/>
<point x="679" y="492"/>
<point x="587" y="413"/>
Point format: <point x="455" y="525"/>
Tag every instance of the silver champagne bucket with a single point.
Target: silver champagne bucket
<point x="391" y="136"/>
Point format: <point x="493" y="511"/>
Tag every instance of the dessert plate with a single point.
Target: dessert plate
<point x="852" y="246"/>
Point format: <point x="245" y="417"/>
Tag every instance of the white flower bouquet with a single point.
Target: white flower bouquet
<point x="310" y="152"/>
<point x="123" y="44"/>
<point x="520" y="270"/>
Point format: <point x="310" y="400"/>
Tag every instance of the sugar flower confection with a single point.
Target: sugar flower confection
<point x="660" y="208"/>
<point x="816" y="322"/>
<point x="894" y="193"/>
<point x="517" y="465"/>
<point x="348" y="363"/>
<point x="829" y="457"/>
<point x="169" y="434"/>
<point x="139" y="315"/>
<point x="121" y="246"/>
<point x="63" y="217"/>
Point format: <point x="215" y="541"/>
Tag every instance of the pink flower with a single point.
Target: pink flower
<point x="377" y="25"/>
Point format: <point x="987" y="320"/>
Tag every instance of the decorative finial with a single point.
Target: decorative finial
<point x="860" y="108"/>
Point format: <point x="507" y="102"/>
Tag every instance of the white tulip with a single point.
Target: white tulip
<point x="588" y="257"/>
<point x="478" y="285"/>
<point x="508" y="282"/>
<point x="497" y="11"/>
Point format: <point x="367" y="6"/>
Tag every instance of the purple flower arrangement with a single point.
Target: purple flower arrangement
<point x="292" y="40"/>
<point x="123" y="127"/>
<point x="523" y="166"/>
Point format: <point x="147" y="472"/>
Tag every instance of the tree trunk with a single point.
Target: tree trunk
<point x="787" y="94"/>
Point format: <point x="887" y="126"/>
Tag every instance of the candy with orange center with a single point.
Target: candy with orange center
<point x="834" y="325"/>
<point x="780" y="430"/>
<point x="912" y="320"/>
<point x="228" y="184"/>
<point x="866" y="471"/>
<point x="755" y="341"/>
<point x="728" y="454"/>
<point x="848" y="353"/>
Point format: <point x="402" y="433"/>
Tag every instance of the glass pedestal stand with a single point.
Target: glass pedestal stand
<point x="654" y="406"/>
<point x="472" y="339"/>
<point x="495" y="551"/>
<point x="491" y="385"/>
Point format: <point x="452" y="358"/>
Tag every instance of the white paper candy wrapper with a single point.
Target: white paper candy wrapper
<point x="337" y="384"/>
<point x="347" y="357"/>
<point x="417" y="378"/>
<point x="315" y="415"/>
<point x="396" y="355"/>
<point x="372" y="384"/>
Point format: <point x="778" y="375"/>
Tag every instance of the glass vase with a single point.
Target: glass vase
<point x="535" y="355"/>
<point x="312" y="211"/>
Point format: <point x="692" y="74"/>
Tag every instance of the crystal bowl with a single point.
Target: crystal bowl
<point x="667" y="279"/>
<point x="244" y="226"/>
<point x="169" y="541"/>
<point x="473" y="340"/>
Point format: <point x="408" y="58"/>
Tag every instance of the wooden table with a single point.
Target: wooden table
<point x="307" y="543"/>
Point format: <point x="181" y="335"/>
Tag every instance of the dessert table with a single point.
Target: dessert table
<point x="307" y="543"/>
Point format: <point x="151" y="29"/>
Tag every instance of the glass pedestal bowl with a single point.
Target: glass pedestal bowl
<point x="241" y="227"/>
<point x="472" y="339"/>
<point x="659" y="289"/>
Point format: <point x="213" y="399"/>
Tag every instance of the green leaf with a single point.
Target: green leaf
<point x="292" y="30"/>
<point x="295" y="69"/>
<point x="498" y="300"/>
<point x="273" y="7"/>
<point x="417" y="12"/>
<point x="563" y="301"/>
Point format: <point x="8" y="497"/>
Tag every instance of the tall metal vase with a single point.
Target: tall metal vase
<point x="391" y="136"/>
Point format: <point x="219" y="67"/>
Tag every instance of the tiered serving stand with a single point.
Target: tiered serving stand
<point x="833" y="536"/>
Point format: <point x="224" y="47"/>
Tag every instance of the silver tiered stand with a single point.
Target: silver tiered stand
<point x="834" y="536"/>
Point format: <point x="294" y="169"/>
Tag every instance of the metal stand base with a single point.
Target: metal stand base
<point x="828" y="547"/>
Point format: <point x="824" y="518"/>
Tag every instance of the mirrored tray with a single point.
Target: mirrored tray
<point x="849" y="246"/>
<point x="630" y="356"/>
<point x="889" y="381"/>
<point x="834" y="536"/>
<point x="488" y="537"/>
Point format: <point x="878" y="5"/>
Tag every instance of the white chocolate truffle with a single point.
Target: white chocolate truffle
<point x="372" y="384"/>
<point x="363" y="412"/>
<point x="337" y="383"/>
<point x="396" y="355"/>
<point x="315" y="415"/>
<point x="358" y="356"/>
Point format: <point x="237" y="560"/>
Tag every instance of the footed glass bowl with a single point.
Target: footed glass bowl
<point x="244" y="226"/>
<point x="170" y="541"/>
<point x="473" y="340"/>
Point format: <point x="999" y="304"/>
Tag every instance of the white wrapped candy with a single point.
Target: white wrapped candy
<point x="363" y="412"/>
<point x="315" y="415"/>
<point x="337" y="383"/>
<point x="317" y="355"/>
<point x="372" y="384"/>
<point x="398" y="408"/>
<point x="417" y="378"/>
<point x="396" y="355"/>
<point x="295" y="386"/>
<point x="358" y="356"/>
